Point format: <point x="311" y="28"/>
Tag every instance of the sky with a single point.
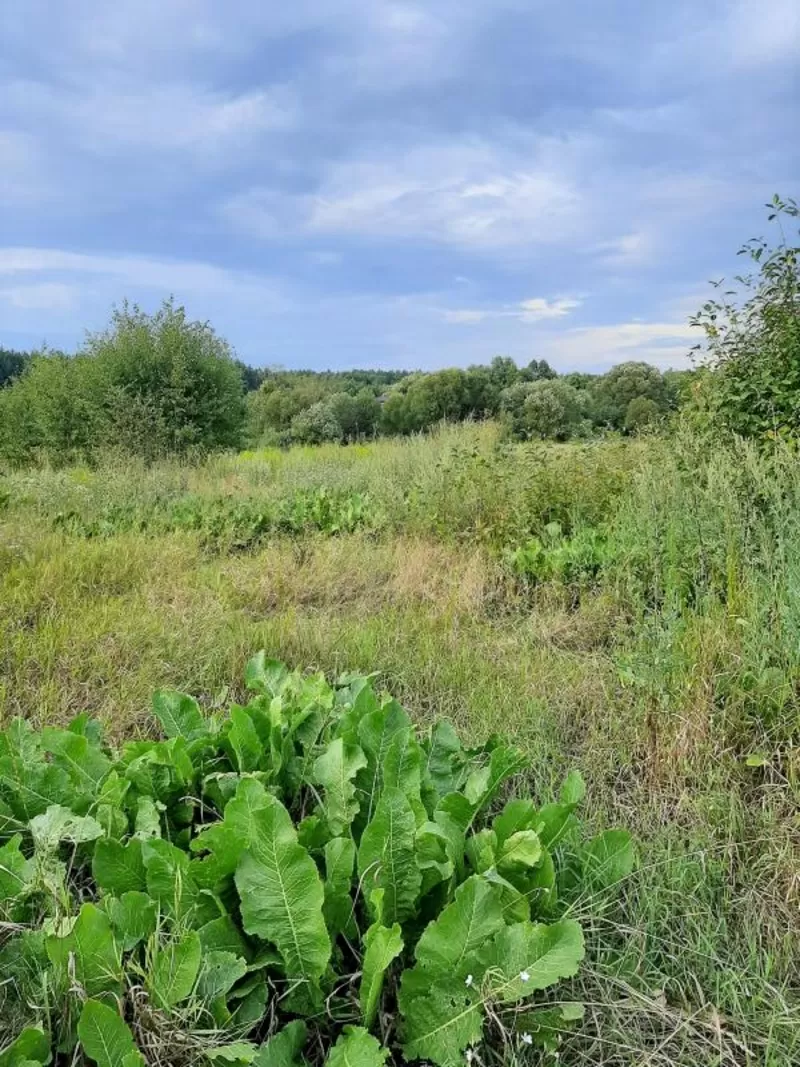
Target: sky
<point x="366" y="183"/>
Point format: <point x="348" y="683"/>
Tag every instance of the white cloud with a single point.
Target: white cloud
<point x="162" y="276"/>
<point x="664" y="344"/>
<point x="539" y="308"/>
<point x="46" y="296"/>
<point x="627" y="250"/>
<point x="465" y="316"/>
<point x="463" y="192"/>
<point x="535" y="309"/>
<point x="163" y="117"/>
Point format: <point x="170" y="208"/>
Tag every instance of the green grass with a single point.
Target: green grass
<point x="658" y="680"/>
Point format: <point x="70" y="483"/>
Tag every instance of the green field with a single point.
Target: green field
<point x="649" y="636"/>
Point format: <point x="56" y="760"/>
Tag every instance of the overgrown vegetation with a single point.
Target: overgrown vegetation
<point x="303" y="871"/>
<point x="624" y="606"/>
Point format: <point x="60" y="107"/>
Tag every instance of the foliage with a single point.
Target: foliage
<point x="554" y="557"/>
<point x="544" y="408"/>
<point x="12" y="364"/>
<point x="226" y="524"/>
<point x="149" y="385"/>
<point x="616" y="390"/>
<point x="753" y="340"/>
<point x="239" y="875"/>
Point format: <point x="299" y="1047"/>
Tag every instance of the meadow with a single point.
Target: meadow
<point x="626" y="608"/>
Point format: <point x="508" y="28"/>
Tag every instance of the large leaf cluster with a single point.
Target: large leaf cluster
<point x="303" y="878"/>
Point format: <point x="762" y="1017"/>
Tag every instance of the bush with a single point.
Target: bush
<point x="545" y="408"/>
<point x="753" y="343"/>
<point x="150" y="385"/>
<point x="303" y="872"/>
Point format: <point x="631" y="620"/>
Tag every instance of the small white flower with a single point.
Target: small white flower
<point x="468" y="1055"/>
<point x="527" y="1039"/>
<point x="524" y="976"/>
<point x="468" y="980"/>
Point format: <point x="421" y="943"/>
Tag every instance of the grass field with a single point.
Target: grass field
<point x="663" y="663"/>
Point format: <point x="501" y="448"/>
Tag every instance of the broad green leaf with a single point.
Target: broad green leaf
<point x="608" y="858"/>
<point x="441" y="1020"/>
<point x="28" y="784"/>
<point x="104" y="1035"/>
<point x="281" y="893"/>
<point x="443" y="757"/>
<point x="520" y="851"/>
<point x="573" y="790"/>
<point x="32" y="1045"/>
<point x="382" y="944"/>
<point x="59" y="824"/>
<point x="174" y="970"/>
<point x="481" y="850"/>
<point x="170" y="883"/>
<point x="88" y="954"/>
<point x="285" y="1048"/>
<point x="516" y="815"/>
<point x="238" y="1053"/>
<point x="219" y="973"/>
<point x="223" y="935"/>
<point x="449" y="943"/>
<point x="526" y="957"/>
<point x="179" y="715"/>
<point x="244" y="740"/>
<point x="485" y="783"/>
<point x="133" y="917"/>
<point x="553" y="822"/>
<point x="402" y="764"/>
<point x="265" y="675"/>
<point x="545" y="1026"/>
<point x="387" y="859"/>
<point x="356" y="1048"/>
<point x="340" y="860"/>
<point x="15" y="872"/>
<point x="148" y="820"/>
<point x="85" y="763"/>
<point x="335" y="771"/>
<point x="376" y="732"/>
<point x="119" y="868"/>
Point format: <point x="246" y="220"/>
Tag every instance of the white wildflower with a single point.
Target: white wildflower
<point x="468" y="980"/>
<point x="527" y="1039"/>
<point x="524" y="976"/>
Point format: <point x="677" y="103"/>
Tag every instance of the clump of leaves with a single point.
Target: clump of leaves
<point x="753" y="339"/>
<point x="227" y="524"/>
<point x="303" y="879"/>
<point x="555" y="557"/>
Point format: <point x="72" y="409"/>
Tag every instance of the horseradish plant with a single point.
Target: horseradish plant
<point x="306" y="878"/>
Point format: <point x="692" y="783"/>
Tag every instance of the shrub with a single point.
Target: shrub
<point x="753" y="342"/>
<point x="150" y="385"/>
<point x="306" y="871"/>
<point x="545" y="408"/>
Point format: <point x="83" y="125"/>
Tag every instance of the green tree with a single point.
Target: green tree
<point x="641" y="412"/>
<point x="548" y="408"/>
<point x="165" y="384"/>
<point x="614" y="391"/>
<point x="538" y="370"/>
<point x="316" y="424"/>
<point x="50" y="410"/>
<point x="12" y="364"/>
<point x="753" y="341"/>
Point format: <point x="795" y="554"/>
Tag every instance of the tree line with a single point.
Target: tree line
<point x="161" y="384"/>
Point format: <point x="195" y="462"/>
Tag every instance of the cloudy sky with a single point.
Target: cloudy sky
<point x="350" y="183"/>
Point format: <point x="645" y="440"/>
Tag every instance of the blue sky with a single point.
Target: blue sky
<point x="351" y="183"/>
